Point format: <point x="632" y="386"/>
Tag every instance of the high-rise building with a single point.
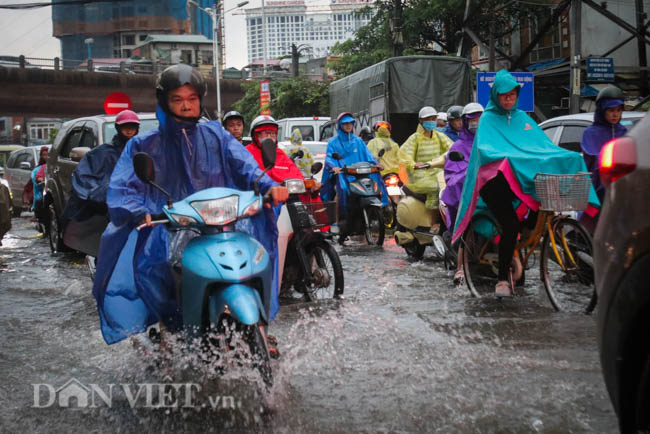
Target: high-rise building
<point x="115" y="27"/>
<point x="288" y="22"/>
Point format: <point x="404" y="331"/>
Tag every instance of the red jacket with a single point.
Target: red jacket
<point x="284" y="168"/>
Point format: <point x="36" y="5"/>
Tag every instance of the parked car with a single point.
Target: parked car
<point x="622" y="272"/>
<point x="566" y="131"/>
<point x="18" y="172"/>
<point x="309" y="127"/>
<point x="74" y="140"/>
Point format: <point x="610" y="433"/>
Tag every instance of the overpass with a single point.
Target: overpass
<point x="36" y="92"/>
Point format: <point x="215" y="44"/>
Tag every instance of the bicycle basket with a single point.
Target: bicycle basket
<point x="312" y="215"/>
<point x="563" y="192"/>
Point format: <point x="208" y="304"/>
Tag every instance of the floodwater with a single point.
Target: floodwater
<point x="405" y="351"/>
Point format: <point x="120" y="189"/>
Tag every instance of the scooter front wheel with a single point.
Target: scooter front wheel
<point x="374" y="225"/>
<point x="259" y="352"/>
<point x="326" y="272"/>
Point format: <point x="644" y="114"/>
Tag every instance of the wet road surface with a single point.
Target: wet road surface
<point x="404" y="352"/>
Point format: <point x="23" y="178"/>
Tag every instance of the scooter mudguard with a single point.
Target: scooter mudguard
<point x="241" y="302"/>
<point x="370" y="201"/>
<point x="411" y="213"/>
<point x="213" y="263"/>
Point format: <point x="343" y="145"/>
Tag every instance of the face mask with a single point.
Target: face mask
<point x="472" y="126"/>
<point x="429" y="125"/>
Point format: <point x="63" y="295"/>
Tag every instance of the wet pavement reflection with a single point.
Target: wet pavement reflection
<point x="405" y="351"/>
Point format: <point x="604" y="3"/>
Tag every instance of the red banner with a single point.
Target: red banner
<point x="265" y="98"/>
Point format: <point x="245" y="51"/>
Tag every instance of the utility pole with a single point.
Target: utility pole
<point x="294" y="60"/>
<point x="492" y="62"/>
<point x="264" y="39"/>
<point x="396" y="28"/>
<point x="576" y="60"/>
<point x="643" y="59"/>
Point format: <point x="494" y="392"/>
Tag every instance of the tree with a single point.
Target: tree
<point x="424" y="23"/>
<point x="292" y="97"/>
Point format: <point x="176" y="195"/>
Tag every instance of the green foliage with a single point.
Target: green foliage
<point x="53" y="134"/>
<point x="293" y="97"/>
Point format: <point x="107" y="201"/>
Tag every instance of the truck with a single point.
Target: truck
<point x="396" y="89"/>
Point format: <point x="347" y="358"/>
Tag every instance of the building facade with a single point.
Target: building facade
<point x="316" y="28"/>
<point x="114" y="28"/>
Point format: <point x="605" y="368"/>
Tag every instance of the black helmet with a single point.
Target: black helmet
<point x="176" y="76"/>
<point x="610" y="92"/>
<point x="454" y="112"/>
<point x="232" y="114"/>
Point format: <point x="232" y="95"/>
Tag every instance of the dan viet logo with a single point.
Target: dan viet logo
<point x="75" y="394"/>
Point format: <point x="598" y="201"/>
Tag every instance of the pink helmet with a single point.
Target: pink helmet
<point x="127" y="117"/>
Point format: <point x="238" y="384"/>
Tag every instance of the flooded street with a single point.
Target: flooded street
<point x="405" y="351"/>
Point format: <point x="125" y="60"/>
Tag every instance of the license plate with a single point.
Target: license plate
<point x="393" y="190"/>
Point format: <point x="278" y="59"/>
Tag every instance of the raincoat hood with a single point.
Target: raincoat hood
<point x="296" y="137"/>
<point x="383" y="133"/>
<point x="511" y="143"/>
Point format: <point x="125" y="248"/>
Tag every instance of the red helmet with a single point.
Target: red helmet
<point x="379" y="124"/>
<point x="127" y="117"/>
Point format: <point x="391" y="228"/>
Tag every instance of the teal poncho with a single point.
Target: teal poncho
<point x="510" y="142"/>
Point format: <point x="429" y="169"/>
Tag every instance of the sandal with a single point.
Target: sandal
<point x="502" y="289"/>
<point x="272" y="344"/>
<point x="459" y="277"/>
<point x="435" y="229"/>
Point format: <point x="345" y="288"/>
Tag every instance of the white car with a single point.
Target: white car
<point x="309" y="127"/>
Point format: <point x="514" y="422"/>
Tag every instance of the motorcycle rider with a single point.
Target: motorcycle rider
<point x="305" y="162"/>
<point x="365" y="134"/>
<point x="93" y="173"/>
<point x="352" y="150"/>
<point x="382" y="140"/>
<point x="454" y="122"/>
<point x="422" y="147"/>
<point x="134" y="285"/>
<point x="606" y="126"/>
<point x="441" y="122"/>
<point x="455" y="170"/>
<point x="233" y="122"/>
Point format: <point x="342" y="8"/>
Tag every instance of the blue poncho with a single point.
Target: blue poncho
<point x="510" y="142"/>
<point x="353" y="150"/>
<point x="133" y="286"/>
<point x="594" y="137"/>
<point x="451" y="133"/>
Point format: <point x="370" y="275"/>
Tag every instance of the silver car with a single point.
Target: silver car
<point x="18" y="172"/>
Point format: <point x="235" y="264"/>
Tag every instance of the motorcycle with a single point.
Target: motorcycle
<point x="224" y="273"/>
<point x="364" y="207"/>
<point x="394" y="188"/>
<point x="308" y="262"/>
<point x="414" y="220"/>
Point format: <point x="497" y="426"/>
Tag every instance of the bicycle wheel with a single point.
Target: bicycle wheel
<point x="374" y="228"/>
<point x="480" y="256"/>
<point x="326" y="272"/>
<point x="568" y="275"/>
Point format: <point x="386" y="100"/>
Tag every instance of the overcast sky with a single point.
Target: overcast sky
<point x="29" y="32"/>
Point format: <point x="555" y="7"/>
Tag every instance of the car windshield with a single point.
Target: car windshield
<point x="145" y="126"/>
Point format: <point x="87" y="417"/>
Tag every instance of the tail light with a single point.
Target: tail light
<point x="617" y="158"/>
<point x="392" y="180"/>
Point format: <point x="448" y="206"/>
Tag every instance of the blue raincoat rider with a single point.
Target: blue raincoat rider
<point x="353" y="150"/>
<point x="134" y="286"/>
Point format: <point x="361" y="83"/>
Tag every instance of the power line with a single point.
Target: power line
<point x="27" y="32"/>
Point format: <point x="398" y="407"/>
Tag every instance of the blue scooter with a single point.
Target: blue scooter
<point x="224" y="273"/>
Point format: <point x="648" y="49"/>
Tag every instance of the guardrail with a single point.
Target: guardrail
<point x="91" y="65"/>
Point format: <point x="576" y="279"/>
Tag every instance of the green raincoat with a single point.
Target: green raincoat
<point x="421" y="149"/>
<point x="307" y="160"/>
<point x="390" y="159"/>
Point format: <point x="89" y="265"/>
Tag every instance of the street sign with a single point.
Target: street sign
<point x="485" y="80"/>
<point x="265" y="98"/>
<point x="117" y="102"/>
<point x="600" y="69"/>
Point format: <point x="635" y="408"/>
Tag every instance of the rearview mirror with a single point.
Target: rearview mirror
<point x="268" y="153"/>
<point x="143" y="166"/>
<point x="316" y="167"/>
<point x="456" y="156"/>
<point x="297" y="155"/>
<point x="337" y="156"/>
<point x="381" y="152"/>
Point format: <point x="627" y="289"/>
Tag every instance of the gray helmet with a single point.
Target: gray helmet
<point x="176" y="76"/>
<point x="233" y="114"/>
<point x="610" y="92"/>
<point x="365" y="130"/>
<point x="454" y="112"/>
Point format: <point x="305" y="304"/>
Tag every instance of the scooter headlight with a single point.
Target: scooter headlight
<point x="295" y="186"/>
<point x="218" y="211"/>
<point x="363" y="170"/>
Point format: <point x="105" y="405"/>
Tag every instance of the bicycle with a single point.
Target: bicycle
<point x="566" y="265"/>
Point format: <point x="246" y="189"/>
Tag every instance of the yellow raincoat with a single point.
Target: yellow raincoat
<point x="304" y="163"/>
<point x="390" y="159"/>
<point x="419" y="148"/>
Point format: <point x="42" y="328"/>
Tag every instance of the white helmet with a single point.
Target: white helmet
<point x="427" y="111"/>
<point x="472" y="107"/>
<point x="442" y="116"/>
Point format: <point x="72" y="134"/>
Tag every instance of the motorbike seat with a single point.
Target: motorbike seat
<point x="419" y="196"/>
